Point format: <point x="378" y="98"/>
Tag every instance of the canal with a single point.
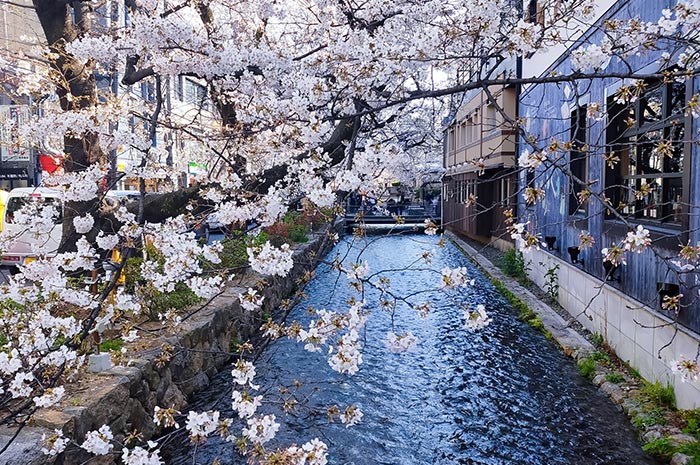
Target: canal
<point x="502" y="395"/>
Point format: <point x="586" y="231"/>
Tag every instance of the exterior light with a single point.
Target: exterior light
<point x="550" y="240"/>
<point x="573" y="254"/>
<point x="610" y="270"/>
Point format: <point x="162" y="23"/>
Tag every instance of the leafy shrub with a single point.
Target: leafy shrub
<point x="659" y="394"/>
<point x="634" y="372"/>
<point x="112" y="345"/>
<point x="158" y="302"/>
<point x="154" y="301"/>
<point x="295" y="227"/>
<point x="551" y="282"/>
<point x="614" y="378"/>
<point x="279" y="233"/>
<point x="513" y="264"/>
<point x="234" y="253"/>
<point x="654" y="416"/>
<point x="597" y="339"/>
<point x="299" y="233"/>
<point x="692" y="449"/>
<point x="601" y="357"/>
<point x="661" y="448"/>
<point x="586" y="367"/>
<point x="692" y="422"/>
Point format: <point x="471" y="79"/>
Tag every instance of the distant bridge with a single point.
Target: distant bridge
<point x="409" y="217"/>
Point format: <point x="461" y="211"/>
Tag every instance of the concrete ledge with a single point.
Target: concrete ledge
<point x="638" y="334"/>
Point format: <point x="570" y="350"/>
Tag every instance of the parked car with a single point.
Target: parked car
<point x="22" y="249"/>
<point x="124" y="195"/>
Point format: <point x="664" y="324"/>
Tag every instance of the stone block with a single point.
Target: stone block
<point x="680" y="459"/>
<point x="664" y="336"/>
<point x="577" y="285"/>
<point x="594" y="297"/>
<point x="54" y="419"/>
<point x="195" y="383"/>
<point x="139" y="419"/>
<point x="133" y="374"/>
<point x="171" y="397"/>
<point x="613" y="306"/>
<point x="685" y="345"/>
<point x="98" y="363"/>
<point x="106" y="404"/>
<point x="661" y="371"/>
<point x="26" y="448"/>
<point x="622" y="345"/>
<point x="627" y="318"/>
<point x="644" y="324"/>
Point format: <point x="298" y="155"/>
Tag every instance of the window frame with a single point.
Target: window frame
<point x="625" y="144"/>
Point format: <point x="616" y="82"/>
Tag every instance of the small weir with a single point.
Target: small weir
<point x="502" y="395"/>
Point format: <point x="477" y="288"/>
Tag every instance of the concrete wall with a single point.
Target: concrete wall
<point x="646" y="339"/>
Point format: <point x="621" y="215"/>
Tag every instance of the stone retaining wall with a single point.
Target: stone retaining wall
<point x="125" y="396"/>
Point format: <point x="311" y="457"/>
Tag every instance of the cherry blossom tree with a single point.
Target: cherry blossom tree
<point x="313" y="99"/>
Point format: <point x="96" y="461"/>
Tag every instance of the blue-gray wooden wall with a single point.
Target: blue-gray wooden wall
<point x="541" y="107"/>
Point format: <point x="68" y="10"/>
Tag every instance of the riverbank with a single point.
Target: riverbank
<point x="670" y="435"/>
<point x="163" y="367"/>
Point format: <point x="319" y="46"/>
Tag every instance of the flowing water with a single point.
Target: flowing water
<point x="502" y="395"/>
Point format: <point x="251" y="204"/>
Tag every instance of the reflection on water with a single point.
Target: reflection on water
<point x="503" y="395"/>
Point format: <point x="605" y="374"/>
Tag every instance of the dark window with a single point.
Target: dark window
<point x="578" y="159"/>
<point x="179" y="88"/>
<point x="195" y="94"/>
<point x="535" y="13"/>
<point x="646" y="145"/>
<point x="505" y="192"/>
<point x="532" y="11"/>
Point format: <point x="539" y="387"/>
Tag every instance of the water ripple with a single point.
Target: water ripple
<point x="504" y="395"/>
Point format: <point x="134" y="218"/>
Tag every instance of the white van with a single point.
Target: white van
<point x="24" y="241"/>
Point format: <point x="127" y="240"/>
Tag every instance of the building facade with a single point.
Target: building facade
<point x="19" y="30"/>
<point x="186" y="104"/>
<point x="641" y="154"/>
<point x="479" y="161"/>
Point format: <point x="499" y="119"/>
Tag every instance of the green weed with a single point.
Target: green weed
<point x="601" y="357"/>
<point x="659" y="394"/>
<point x="692" y="422"/>
<point x="597" y="339"/>
<point x="114" y="345"/>
<point x="614" y="378"/>
<point x="586" y="366"/>
<point x="653" y="416"/>
<point x="513" y="264"/>
<point x="661" y="448"/>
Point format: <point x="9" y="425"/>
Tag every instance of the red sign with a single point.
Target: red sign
<point x="50" y="163"/>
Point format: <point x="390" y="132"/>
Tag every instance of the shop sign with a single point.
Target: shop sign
<point x="11" y="117"/>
